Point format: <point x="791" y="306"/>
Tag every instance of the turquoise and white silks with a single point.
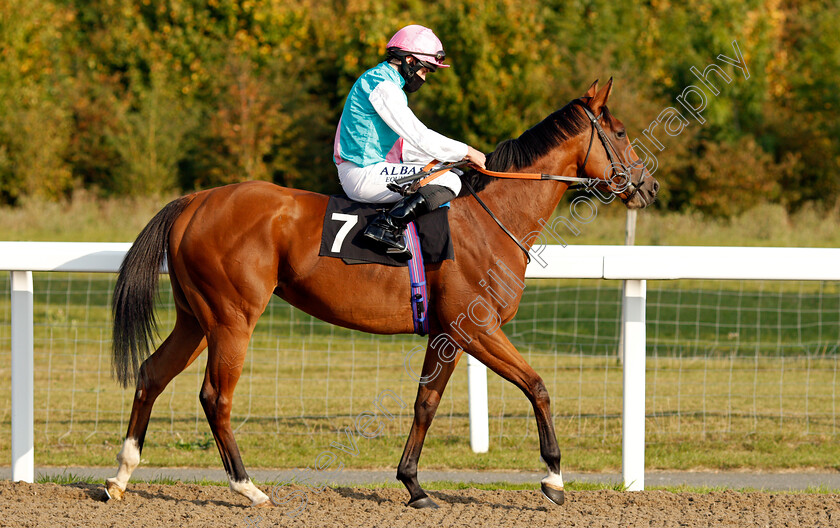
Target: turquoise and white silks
<point x="379" y="139"/>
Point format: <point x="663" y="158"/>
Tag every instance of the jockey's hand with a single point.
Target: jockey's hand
<point x="476" y="157"/>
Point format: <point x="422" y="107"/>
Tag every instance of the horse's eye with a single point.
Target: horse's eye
<point x="620" y="134"/>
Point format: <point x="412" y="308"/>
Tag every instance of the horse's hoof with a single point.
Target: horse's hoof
<point x="264" y="504"/>
<point x="113" y="490"/>
<point x="423" y="502"/>
<point x="557" y="496"/>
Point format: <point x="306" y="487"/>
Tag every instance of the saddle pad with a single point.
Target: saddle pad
<point x="346" y="220"/>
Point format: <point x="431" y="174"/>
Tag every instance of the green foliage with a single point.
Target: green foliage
<point x="150" y="137"/>
<point x="34" y="124"/>
<point x="733" y="177"/>
<point x="138" y="97"/>
<point x="495" y="88"/>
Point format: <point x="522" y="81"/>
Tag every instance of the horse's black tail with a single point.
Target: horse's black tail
<point x="133" y="305"/>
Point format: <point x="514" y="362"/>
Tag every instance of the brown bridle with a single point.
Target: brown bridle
<point x="435" y="169"/>
<point x="612" y="155"/>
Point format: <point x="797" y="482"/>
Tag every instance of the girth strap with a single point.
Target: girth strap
<point x="417" y="276"/>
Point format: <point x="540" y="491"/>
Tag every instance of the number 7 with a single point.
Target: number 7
<point x="349" y="222"/>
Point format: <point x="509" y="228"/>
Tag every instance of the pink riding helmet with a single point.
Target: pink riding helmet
<point x="422" y="41"/>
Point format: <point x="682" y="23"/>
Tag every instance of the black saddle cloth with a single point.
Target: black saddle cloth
<point x="346" y="220"/>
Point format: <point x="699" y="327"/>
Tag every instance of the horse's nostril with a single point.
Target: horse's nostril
<point x="655" y="186"/>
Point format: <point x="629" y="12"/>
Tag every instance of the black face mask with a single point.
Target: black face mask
<point x="413" y="81"/>
<point x="414" y="84"/>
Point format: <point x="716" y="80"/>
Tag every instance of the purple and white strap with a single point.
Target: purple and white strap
<point x="417" y="275"/>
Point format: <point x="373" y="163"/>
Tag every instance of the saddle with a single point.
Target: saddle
<point x="427" y="238"/>
<point x="345" y="220"/>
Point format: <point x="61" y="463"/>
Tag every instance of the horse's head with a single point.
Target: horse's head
<point x="607" y="154"/>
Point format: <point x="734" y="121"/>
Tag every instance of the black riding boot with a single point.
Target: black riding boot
<point x="387" y="228"/>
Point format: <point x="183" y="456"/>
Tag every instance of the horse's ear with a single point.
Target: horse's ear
<point x="593" y="89"/>
<point x="600" y="98"/>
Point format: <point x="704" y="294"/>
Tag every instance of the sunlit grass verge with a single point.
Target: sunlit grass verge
<point x="64" y="478"/>
<point x="787" y="452"/>
<point x="810" y="490"/>
<point x="493" y="486"/>
<point x="438" y="485"/>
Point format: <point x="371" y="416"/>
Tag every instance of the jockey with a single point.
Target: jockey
<point x="379" y="139"/>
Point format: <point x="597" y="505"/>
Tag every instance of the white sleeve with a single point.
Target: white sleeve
<point x="412" y="154"/>
<point x="389" y="102"/>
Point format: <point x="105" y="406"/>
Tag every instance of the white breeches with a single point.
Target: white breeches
<point x="368" y="184"/>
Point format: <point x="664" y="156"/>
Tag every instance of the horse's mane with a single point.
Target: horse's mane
<point x="533" y="144"/>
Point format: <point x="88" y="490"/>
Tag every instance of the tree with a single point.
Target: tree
<point x="34" y="119"/>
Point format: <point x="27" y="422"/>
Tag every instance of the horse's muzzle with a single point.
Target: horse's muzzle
<point x="646" y="194"/>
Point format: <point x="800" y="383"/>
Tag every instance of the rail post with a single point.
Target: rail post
<point x="633" y="415"/>
<point x="23" y="445"/>
<point x="479" y="419"/>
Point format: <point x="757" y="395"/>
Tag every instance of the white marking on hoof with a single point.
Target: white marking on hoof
<point x="129" y="459"/>
<point x="113" y="490"/>
<point x="553" y="480"/>
<point x="247" y="489"/>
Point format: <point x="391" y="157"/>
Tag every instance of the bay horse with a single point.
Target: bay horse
<point x="231" y="248"/>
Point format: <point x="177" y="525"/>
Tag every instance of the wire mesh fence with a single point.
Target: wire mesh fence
<point x="724" y="358"/>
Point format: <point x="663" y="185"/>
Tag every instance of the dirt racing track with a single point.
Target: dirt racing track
<point x="186" y="505"/>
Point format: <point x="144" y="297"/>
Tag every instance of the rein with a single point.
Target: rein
<point x="536" y="176"/>
<point x="582" y="182"/>
<point x="434" y="170"/>
<point x="577" y="181"/>
<point x="498" y="222"/>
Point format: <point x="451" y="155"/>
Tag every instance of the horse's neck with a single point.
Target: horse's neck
<point x="523" y="206"/>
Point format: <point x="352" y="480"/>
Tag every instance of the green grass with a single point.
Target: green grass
<point x="716" y="402"/>
<point x="765" y="225"/>
<point x="88" y="219"/>
<point x="810" y="490"/>
<point x="84" y="219"/>
<point x="66" y="478"/>
<point x="494" y="486"/>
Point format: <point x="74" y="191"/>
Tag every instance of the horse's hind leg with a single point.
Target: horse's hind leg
<point x="176" y="353"/>
<point x="226" y="357"/>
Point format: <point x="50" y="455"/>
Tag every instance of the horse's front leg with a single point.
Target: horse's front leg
<point x="438" y="365"/>
<point x="498" y="353"/>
